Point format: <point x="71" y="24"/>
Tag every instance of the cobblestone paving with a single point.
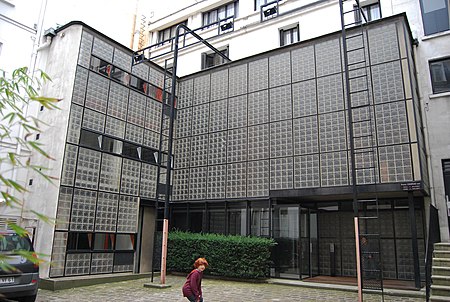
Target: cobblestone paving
<point x="213" y="291"/>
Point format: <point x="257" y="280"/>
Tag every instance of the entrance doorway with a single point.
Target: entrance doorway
<point x="296" y="255"/>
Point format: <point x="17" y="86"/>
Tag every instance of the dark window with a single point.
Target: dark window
<point x="168" y="34"/>
<point x="139" y="84"/>
<point x="90" y="139"/>
<point x="149" y="155"/>
<point x="103" y="241"/>
<point x="220" y="13"/>
<point x="79" y="241"/>
<point x="435" y="16"/>
<point x="130" y="150"/>
<point x="124" y="242"/>
<point x="213" y="59"/>
<point x="440" y="75"/>
<point x="258" y="3"/>
<point x="101" y="66"/>
<point x="289" y="36"/>
<point x="120" y="75"/>
<point x="372" y="12"/>
<point x="112" y="145"/>
<point x="155" y="92"/>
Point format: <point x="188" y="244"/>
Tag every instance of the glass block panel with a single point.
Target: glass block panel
<point x="304" y="99"/>
<point x="182" y="151"/>
<point x="258" y="75"/>
<point x="330" y="93"/>
<point x="75" y="118"/>
<point x="334" y="169"/>
<point x="200" y="118"/>
<point x="183" y="122"/>
<point x="332" y="131"/>
<point x="306" y="135"/>
<point x="383" y="43"/>
<point x="115" y="127"/>
<point x="303" y="63"/>
<point x="134" y="134"/>
<point x="280" y="69"/>
<point x="102" y="263"/>
<point x="392" y="123"/>
<point x="128" y="214"/>
<point x="258" y="107"/>
<point x="216" y="181"/>
<point x="156" y="77"/>
<point x="79" y="85"/>
<point x="258" y="178"/>
<point x="83" y="210"/>
<point x="151" y="139"/>
<point x="238" y="80"/>
<point x="110" y="173"/>
<point x="237" y="180"/>
<point x="180" y="184"/>
<point x="201" y="89"/>
<point x="103" y="50"/>
<point x="197" y="183"/>
<point x="118" y="101"/>
<point x="328" y="57"/>
<point x="219" y="85"/>
<point x="97" y="92"/>
<point x="280" y="103"/>
<point x="136" y="108"/>
<point x="237" y="112"/>
<point x="199" y="150"/>
<point x="58" y="254"/>
<point x="185" y="92"/>
<point x="88" y="169"/>
<point x="84" y="56"/>
<point x="148" y="180"/>
<point x="130" y="177"/>
<point x="258" y="141"/>
<point x="94" y="120"/>
<point x="237" y="145"/>
<point x="306" y="171"/>
<point x="387" y="82"/>
<point x="281" y="173"/>
<point x="78" y="264"/>
<point x="69" y="165"/>
<point x="140" y="70"/>
<point x="389" y="261"/>
<point x="106" y="215"/>
<point x="395" y="163"/>
<point x="363" y="127"/>
<point x="218" y="116"/>
<point x="405" y="259"/>
<point x="64" y="206"/>
<point x="217" y="148"/>
<point x="153" y="115"/>
<point x="122" y="60"/>
<point x="281" y="139"/>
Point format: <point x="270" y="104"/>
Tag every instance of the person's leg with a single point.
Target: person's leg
<point x="191" y="298"/>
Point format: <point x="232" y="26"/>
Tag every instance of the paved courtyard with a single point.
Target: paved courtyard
<point x="213" y="291"/>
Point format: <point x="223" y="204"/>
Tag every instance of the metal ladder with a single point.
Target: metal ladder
<point x="362" y="143"/>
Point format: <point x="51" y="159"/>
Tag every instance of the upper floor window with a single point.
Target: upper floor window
<point x="440" y="75"/>
<point x="289" y="35"/>
<point x="258" y="3"/>
<point x="435" y="16"/>
<point x="211" y="59"/>
<point x="371" y="11"/>
<point x="220" y="13"/>
<point x="168" y="34"/>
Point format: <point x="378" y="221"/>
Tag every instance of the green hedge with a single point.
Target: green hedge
<point x="228" y="256"/>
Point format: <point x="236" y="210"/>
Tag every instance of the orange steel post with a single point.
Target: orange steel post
<point x="164" y="250"/>
<point x="358" y="260"/>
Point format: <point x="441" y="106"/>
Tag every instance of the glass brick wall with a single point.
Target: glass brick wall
<point x="278" y="121"/>
<point x="109" y="160"/>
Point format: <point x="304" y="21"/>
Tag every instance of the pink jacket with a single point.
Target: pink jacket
<point x="193" y="284"/>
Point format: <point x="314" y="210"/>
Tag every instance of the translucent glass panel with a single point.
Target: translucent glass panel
<point x="64" y="206"/>
<point x="217" y="148"/>
<point x="280" y="103"/>
<point x="281" y="139"/>
<point x="258" y="107"/>
<point x="392" y="123"/>
<point x="330" y="93"/>
<point x="219" y="85"/>
<point x="387" y="82"/>
<point x="152" y="115"/>
<point x="334" y="169"/>
<point x="115" y="127"/>
<point x="281" y="173"/>
<point x="183" y="122"/>
<point x="151" y="139"/>
<point x="156" y="77"/>
<point x="199" y="150"/>
<point x="303" y="64"/>
<point x="110" y="173"/>
<point x="383" y="43"/>
<point x="238" y="80"/>
<point x="128" y="214"/>
<point x="306" y="171"/>
<point x="83" y="210"/>
<point x="237" y="112"/>
<point x="237" y="145"/>
<point x="102" y="263"/>
<point x="79" y="86"/>
<point x="148" y="180"/>
<point x="306" y="135"/>
<point x="218" y="116"/>
<point x="201" y="89"/>
<point x="182" y="148"/>
<point x="197" y="183"/>
<point x="280" y="69"/>
<point x="122" y="60"/>
<point x="258" y="75"/>
<point x="328" y="60"/>
<point x="200" y="118"/>
<point x="84" y="56"/>
<point x="88" y="168"/>
<point x="69" y="165"/>
<point x="106" y="214"/>
<point x="258" y="140"/>
<point x="75" y="118"/>
<point x="304" y="99"/>
<point x="180" y="184"/>
<point x="93" y="120"/>
<point x="332" y="131"/>
<point x="395" y="163"/>
<point x="216" y="181"/>
<point x="236" y="180"/>
<point x="118" y="101"/>
<point x="97" y="92"/>
<point x="185" y="89"/>
<point x="78" y="264"/>
<point x="130" y="177"/>
<point x="136" y="108"/>
<point x="58" y="254"/>
<point x="102" y="49"/>
<point x="140" y="70"/>
<point x="134" y="134"/>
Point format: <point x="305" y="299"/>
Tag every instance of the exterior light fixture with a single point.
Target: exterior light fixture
<point x="139" y="58"/>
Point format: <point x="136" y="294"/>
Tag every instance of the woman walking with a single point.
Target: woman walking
<point x="192" y="288"/>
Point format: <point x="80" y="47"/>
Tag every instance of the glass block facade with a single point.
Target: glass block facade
<point x="109" y="161"/>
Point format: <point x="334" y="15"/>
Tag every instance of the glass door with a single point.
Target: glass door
<point x="309" y="251"/>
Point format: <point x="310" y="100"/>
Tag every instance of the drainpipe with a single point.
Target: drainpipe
<point x="46" y="44"/>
